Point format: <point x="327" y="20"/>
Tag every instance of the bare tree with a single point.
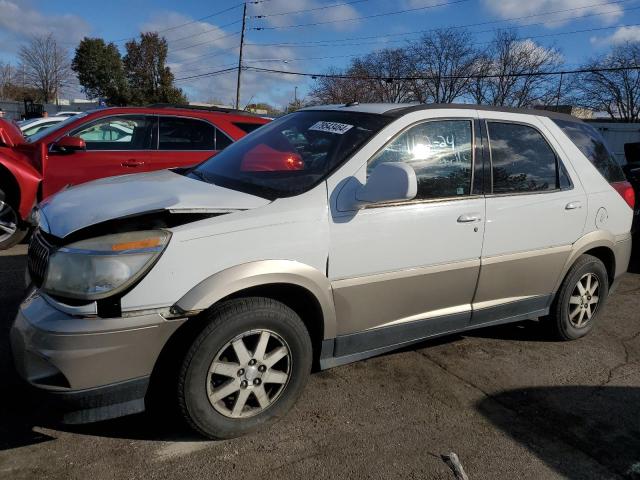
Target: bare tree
<point x="517" y="68"/>
<point x="615" y="92"/>
<point x="386" y="70"/>
<point x="6" y="77"/>
<point x="479" y="86"/>
<point x="372" y="78"/>
<point x="46" y="66"/>
<point x="333" y="89"/>
<point x="445" y="58"/>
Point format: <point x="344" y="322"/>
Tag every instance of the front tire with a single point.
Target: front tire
<point x="11" y="228"/>
<point x="246" y="368"/>
<point x="580" y="299"/>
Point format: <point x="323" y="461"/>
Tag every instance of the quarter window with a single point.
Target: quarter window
<point x="131" y="132"/>
<point x="592" y="145"/>
<point x="440" y="152"/>
<point x="521" y="159"/>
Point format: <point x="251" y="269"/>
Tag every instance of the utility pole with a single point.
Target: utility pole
<point x="244" y="20"/>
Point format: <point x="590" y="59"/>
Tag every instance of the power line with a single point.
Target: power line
<point x="200" y="19"/>
<point x="312" y="44"/>
<point x="449" y="77"/>
<point x="209" y="74"/>
<point x="293" y="12"/>
<point x="209" y="55"/>
<point x="172" y="40"/>
<point x="545" y="35"/>
<point x="186" y="47"/>
<point x="362" y="18"/>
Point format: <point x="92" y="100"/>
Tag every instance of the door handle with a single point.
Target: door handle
<point x="573" y="206"/>
<point x="469" y="217"/>
<point x="132" y="163"/>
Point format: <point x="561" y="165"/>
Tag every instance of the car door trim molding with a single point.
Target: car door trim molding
<point x="403" y="273"/>
<point x="360" y="345"/>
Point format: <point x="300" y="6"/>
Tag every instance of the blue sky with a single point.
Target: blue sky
<point x="210" y="44"/>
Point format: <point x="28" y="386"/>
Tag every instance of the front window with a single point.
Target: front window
<point x="127" y="132"/>
<point x="441" y="154"/>
<point x="290" y="155"/>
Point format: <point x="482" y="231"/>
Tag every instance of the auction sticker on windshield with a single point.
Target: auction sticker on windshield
<point x="331" y="127"/>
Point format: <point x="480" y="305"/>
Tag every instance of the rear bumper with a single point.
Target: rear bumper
<point x="90" y="368"/>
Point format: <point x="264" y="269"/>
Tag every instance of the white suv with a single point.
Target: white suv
<point x="330" y="235"/>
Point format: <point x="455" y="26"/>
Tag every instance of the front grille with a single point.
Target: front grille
<point x="38" y="258"/>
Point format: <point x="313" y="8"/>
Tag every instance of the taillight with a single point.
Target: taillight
<point x="626" y="192"/>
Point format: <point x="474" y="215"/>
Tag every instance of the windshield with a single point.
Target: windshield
<point x="290" y="155"/>
<point x="57" y="126"/>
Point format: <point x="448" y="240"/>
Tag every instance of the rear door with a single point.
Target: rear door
<point x="186" y="141"/>
<point x="116" y="145"/>
<point x="536" y="209"/>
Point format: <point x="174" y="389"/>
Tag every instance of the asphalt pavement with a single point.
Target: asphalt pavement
<point x="510" y="402"/>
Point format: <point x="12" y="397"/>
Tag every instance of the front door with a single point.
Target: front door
<point x="393" y="265"/>
<point x="534" y="214"/>
<point x="116" y="145"/>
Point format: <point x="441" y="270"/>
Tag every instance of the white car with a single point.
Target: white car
<point x="327" y="236"/>
<point x="35" y="125"/>
<point x="66" y="113"/>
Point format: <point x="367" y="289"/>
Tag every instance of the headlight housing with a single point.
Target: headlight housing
<point x="101" y="267"/>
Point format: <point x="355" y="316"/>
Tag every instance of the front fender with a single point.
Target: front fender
<point x="28" y="180"/>
<point x="264" y="272"/>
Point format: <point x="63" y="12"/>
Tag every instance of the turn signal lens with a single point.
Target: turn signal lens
<point x="136" y="245"/>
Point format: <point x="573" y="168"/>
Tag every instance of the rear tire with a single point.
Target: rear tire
<point x="579" y="300"/>
<point x="12" y="229"/>
<point x="245" y="369"/>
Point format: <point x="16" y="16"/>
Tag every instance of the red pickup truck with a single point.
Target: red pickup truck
<point x="104" y="143"/>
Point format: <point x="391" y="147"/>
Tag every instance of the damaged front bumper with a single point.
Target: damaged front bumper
<point x="89" y="367"/>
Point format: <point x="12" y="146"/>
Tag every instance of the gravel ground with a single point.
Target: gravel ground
<point x="508" y="401"/>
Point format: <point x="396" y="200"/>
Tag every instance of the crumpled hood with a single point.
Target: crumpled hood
<point x="110" y="198"/>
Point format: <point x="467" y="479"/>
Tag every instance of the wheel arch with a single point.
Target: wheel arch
<point x="24" y="182"/>
<point x="301" y="287"/>
<point x="600" y="244"/>
<point x="9" y="186"/>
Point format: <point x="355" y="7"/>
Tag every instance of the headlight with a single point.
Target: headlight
<point x="100" y="267"/>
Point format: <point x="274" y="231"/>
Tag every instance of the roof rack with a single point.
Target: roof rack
<point x="201" y="107"/>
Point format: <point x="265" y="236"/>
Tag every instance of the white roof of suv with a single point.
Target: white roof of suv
<point x="400" y="109"/>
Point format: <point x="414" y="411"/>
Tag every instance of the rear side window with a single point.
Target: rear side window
<point x="186" y="134"/>
<point x="247" y="127"/>
<point x="592" y="145"/>
<point x="521" y="159"/>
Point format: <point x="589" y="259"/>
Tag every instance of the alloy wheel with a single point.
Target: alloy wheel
<point x="584" y="300"/>
<point x="249" y="373"/>
<point x="8" y="221"/>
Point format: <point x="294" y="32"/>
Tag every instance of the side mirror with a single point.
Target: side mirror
<point x="389" y="182"/>
<point x="70" y="144"/>
<point x="632" y="152"/>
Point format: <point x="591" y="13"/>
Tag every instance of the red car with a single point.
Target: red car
<point x="104" y="143"/>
